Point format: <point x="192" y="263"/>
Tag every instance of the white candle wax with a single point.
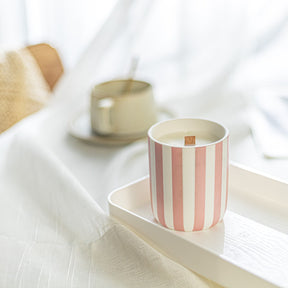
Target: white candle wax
<point x="178" y="139"/>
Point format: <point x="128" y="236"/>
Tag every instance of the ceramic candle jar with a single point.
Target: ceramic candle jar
<point x="188" y="183"/>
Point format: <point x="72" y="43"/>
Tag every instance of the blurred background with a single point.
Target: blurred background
<point x="198" y="37"/>
<point x="195" y="34"/>
<point x="223" y="55"/>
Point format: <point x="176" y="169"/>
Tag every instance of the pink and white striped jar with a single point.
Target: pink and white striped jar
<point x="188" y="184"/>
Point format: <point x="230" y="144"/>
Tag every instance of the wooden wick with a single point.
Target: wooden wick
<point x="190" y="140"/>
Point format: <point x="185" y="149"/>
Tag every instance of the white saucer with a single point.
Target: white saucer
<point x="80" y="128"/>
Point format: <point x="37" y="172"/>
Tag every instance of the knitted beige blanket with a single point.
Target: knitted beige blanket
<point x="23" y="90"/>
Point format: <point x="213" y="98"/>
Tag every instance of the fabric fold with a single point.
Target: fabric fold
<point x="54" y="234"/>
<point x="49" y="185"/>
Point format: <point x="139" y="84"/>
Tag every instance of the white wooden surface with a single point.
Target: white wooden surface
<point x="248" y="249"/>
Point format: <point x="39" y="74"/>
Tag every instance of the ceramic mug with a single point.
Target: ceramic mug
<point x="188" y="184"/>
<point x="122" y="108"/>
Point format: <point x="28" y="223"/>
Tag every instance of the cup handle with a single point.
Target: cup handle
<point x="105" y="120"/>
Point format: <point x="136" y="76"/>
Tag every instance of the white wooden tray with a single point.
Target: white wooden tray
<point x="249" y="248"/>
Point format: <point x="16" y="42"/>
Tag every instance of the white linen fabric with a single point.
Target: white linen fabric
<point x="54" y="234"/>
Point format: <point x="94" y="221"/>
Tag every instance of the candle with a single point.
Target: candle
<point x="188" y="182"/>
<point x="177" y="138"/>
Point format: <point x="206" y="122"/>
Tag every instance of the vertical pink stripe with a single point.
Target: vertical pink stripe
<point x="227" y="177"/>
<point x="177" y="187"/>
<point x="159" y="182"/>
<point x="218" y="182"/>
<point x="200" y="178"/>
<point x="149" y="153"/>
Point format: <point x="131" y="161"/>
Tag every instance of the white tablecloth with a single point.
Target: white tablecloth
<point x="54" y="234"/>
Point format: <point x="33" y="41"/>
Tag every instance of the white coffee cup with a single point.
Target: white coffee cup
<point x="122" y="108"/>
